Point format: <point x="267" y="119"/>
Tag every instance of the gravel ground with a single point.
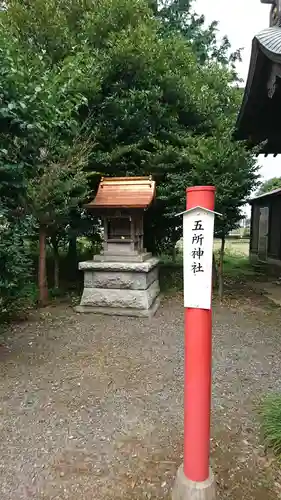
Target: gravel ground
<point x="91" y="406"/>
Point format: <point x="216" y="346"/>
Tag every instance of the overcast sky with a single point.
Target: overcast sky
<point x="240" y="20"/>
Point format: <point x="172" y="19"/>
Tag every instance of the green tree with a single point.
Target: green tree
<point x="41" y="172"/>
<point x="56" y="189"/>
<point x="270" y="185"/>
<point x="15" y="261"/>
<point x="179" y="16"/>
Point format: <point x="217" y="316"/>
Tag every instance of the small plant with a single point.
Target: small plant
<point x="171" y="274"/>
<point x="270" y="413"/>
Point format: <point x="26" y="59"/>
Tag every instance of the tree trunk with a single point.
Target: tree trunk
<point x="221" y="268"/>
<point x="42" y="275"/>
<point x="72" y="258"/>
<point x="214" y="273"/>
<point x="56" y="262"/>
<point x="174" y="254"/>
<point x="72" y="250"/>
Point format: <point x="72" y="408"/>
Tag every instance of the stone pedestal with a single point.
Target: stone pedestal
<point x="184" y="489"/>
<point x="124" y="257"/>
<point x="121" y="288"/>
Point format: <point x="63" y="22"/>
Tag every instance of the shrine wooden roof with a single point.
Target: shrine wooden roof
<point x="124" y="192"/>
<point x="259" y="121"/>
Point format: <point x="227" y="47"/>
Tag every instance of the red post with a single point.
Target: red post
<point x="198" y="362"/>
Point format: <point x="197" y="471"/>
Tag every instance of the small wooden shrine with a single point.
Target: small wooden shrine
<point x="121" y="202"/>
<point x="258" y="121"/>
<point x="123" y="279"/>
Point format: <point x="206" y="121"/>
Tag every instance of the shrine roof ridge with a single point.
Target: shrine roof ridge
<point x="116" y="180"/>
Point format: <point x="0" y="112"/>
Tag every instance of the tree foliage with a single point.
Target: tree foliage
<point x="179" y="16"/>
<point x="40" y="127"/>
<point x="15" y="267"/>
<point x="270" y="185"/>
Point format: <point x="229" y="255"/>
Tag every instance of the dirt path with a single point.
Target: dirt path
<point x="91" y="407"/>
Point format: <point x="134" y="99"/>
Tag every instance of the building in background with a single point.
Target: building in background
<point x="259" y="124"/>
<point x="265" y="238"/>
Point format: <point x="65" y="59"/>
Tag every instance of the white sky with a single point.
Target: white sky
<point x="240" y="20"/>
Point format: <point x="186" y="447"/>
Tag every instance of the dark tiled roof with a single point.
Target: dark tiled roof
<point x="270" y="39"/>
<point x="258" y="120"/>
<point x="264" y="195"/>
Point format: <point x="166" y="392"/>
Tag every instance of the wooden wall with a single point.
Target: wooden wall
<point x="274" y="229"/>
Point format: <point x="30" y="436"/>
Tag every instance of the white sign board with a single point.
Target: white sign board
<point x="198" y="237"/>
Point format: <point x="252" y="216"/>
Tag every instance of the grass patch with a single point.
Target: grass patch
<point x="270" y="413"/>
<point x="234" y="246"/>
<point x="236" y="265"/>
<point x="236" y="262"/>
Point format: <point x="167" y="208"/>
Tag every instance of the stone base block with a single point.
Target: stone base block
<point x="184" y="489"/>
<point x="121" y="288"/>
<point x="120" y="298"/>
<point x="110" y="275"/>
<point x="121" y="311"/>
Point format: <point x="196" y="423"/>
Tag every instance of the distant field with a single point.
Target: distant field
<point x="237" y="247"/>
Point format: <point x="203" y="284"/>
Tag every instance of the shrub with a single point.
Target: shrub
<point x="16" y="292"/>
<point x="270" y="412"/>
